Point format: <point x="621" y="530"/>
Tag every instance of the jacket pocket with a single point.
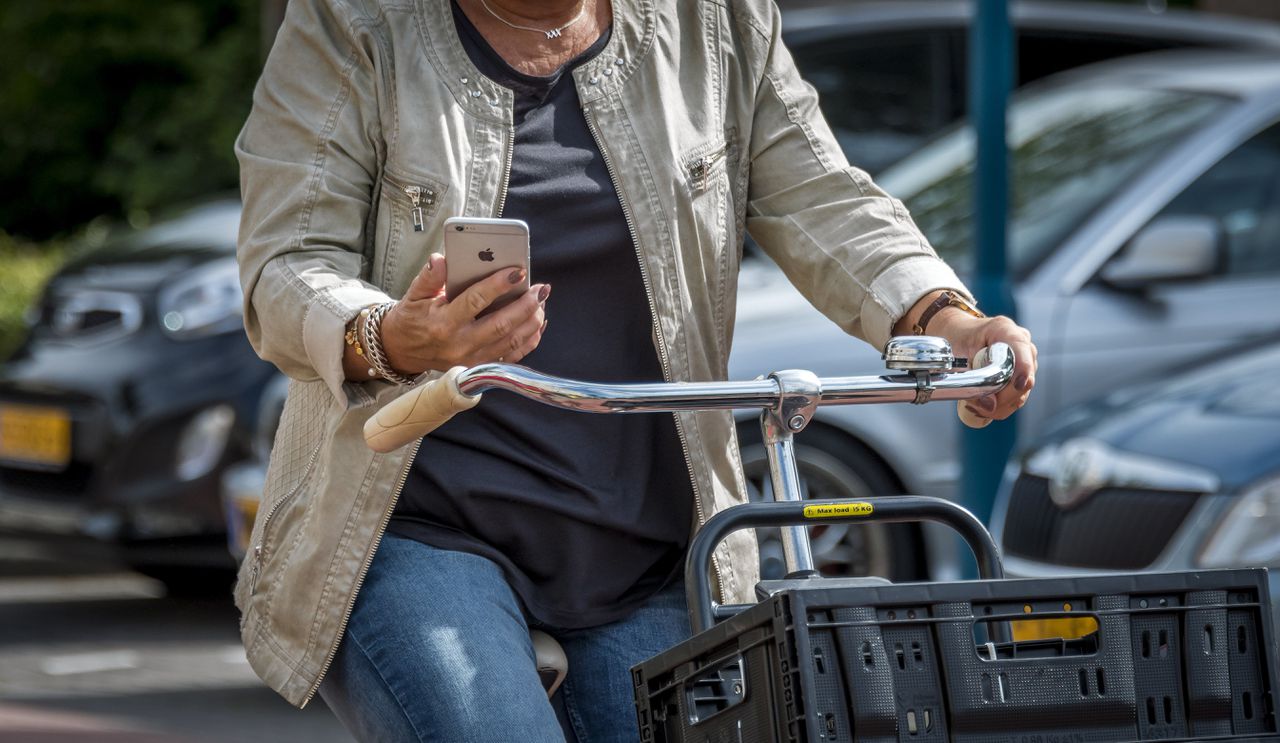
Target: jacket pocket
<point x="406" y="221"/>
<point x="299" y="439"/>
<point x="709" y="173"/>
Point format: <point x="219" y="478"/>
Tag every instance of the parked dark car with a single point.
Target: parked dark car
<point x="134" y="391"/>
<point x="1182" y="474"/>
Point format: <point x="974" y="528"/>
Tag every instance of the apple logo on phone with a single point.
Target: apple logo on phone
<point x="486" y="255"/>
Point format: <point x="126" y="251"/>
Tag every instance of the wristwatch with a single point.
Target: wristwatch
<point x="944" y="300"/>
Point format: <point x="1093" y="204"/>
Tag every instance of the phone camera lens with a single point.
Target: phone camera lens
<point x="459" y="227"/>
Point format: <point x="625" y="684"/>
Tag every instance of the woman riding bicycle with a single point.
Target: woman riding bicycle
<point x="639" y="140"/>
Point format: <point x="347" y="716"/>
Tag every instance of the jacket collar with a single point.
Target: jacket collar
<point x="632" y="36"/>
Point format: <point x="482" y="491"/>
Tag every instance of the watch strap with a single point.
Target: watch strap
<point x="945" y="299"/>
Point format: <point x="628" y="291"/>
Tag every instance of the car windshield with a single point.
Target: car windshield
<point x="1072" y="149"/>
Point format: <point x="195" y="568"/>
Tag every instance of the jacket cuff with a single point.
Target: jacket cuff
<point x="896" y="290"/>
<point x="324" y="328"/>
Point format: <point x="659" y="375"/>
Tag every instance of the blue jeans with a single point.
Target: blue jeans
<point x="438" y="649"/>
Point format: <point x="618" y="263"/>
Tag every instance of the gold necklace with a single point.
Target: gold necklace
<point x="550" y="34"/>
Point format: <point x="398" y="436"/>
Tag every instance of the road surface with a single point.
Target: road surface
<point x="90" y="652"/>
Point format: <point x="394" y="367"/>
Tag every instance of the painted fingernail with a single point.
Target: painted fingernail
<point x="544" y="292"/>
<point x="985" y="405"/>
<point x="1021" y="382"/>
<point x="516" y="276"/>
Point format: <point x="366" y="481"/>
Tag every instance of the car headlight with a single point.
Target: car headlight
<point x="202" y="442"/>
<point x="203" y="301"/>
<point x="1249" y="535"/>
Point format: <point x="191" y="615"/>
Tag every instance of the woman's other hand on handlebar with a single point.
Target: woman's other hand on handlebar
<point x="968" y="335"/>
<point x="428" y="331"/>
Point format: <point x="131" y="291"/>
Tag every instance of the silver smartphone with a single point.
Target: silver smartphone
<point x="475" y="247"/>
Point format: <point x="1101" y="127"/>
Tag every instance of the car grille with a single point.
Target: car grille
<point x="1115" y="528"/>
<point x="70" y="483"/>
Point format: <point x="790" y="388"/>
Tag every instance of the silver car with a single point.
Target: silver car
<point x="1145" y="222"/>
<point x="1183" y="474"/>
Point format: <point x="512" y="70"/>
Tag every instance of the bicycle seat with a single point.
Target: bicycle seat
<point x="551" y="661"/>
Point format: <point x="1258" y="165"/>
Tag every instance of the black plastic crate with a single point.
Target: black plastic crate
<point x="1181" y="656"/>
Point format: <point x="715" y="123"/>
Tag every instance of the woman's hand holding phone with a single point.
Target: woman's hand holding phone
<point x="427" y="330"/>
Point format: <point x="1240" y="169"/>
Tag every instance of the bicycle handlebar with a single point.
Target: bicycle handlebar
<point x="423" y="409"/>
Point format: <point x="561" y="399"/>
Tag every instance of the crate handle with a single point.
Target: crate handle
<point x="897" y="508"/>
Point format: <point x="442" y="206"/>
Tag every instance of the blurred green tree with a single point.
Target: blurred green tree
<point x="24" y="269"/>
<point x="119" y="106"/>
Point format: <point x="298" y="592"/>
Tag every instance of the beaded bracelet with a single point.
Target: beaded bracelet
<point x="353" y="338"/>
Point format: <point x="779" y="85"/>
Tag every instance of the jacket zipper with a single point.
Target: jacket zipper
<point x="657" y="329"/>
<point x="419" y="197"/>
<point x="256" y="568"/>
<point x="404" y="476"/>
<point x="364" y="570"/>
<point x="700" y="169"/>
<point x="415" y="197"/>
<point x="506" y="170"/>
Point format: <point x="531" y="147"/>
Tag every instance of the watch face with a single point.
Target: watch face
<point x="958" y="302"/>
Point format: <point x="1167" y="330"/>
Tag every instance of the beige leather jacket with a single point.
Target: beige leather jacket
<point x="370" y="117"/>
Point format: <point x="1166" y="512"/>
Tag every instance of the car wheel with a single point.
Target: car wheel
<point x="832" y="466"/>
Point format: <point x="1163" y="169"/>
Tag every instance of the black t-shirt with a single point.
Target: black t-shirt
<point x="588" y="514"/>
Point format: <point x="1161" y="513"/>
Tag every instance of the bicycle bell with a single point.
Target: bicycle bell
<point x="919" y="353"/>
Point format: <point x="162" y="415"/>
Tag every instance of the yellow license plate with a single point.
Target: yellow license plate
<point x="240" y="515"/>
<point x="40" y="437"/>
<point x="1066" y="628"/>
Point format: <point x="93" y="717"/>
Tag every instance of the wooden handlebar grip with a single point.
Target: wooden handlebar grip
<point x="417" y="412"/>
<point x="980" y="359"/>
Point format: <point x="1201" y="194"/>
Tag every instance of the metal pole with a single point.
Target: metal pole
<point x="991" y="69"/>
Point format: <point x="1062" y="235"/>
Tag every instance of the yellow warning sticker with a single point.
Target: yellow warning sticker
<point x="838" y="509"/>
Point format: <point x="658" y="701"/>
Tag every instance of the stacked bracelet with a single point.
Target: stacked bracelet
<point x="369" y="329"/>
